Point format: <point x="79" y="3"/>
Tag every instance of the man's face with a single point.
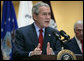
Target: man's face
<point x="79" y="31"/>
<point x="43" y="18"/>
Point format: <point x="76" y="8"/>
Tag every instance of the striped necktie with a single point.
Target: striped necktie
<point x="41" y="38"/>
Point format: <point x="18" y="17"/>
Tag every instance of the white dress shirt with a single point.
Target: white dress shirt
<point x="79" y="43"/>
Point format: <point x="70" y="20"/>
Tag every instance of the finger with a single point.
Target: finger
<point x="38" y="45"/>
<point x="48" y="45"/>
<point x="37" y="49"/>
<point x="51" y="50"/>
<point x="38" y="52"/>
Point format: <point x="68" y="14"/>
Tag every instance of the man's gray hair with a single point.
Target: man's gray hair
<point x="78" y="22"/>
<point x="35" y="9"/>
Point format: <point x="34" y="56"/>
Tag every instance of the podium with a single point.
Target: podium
<point x="49" y="57"/>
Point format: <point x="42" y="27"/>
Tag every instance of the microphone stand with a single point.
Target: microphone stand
<point x="58" y="37"/>
<point x="62" y="44"/>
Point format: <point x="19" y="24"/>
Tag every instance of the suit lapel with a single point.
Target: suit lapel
<point x="46" y="36"/>
<point x="77" y="47"/>
<point x="46" y="39"/>
<point x="34" y="36"/>
<point x="74" y="46"/>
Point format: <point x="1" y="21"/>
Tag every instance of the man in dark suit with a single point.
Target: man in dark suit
<point x="76" y="43"/>
<point x="27" y="38"/>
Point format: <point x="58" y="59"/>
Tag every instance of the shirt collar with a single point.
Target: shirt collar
<point x="37" y="28"/>
<point x="79" y="43"/>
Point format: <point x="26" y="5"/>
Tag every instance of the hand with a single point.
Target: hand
<point x="49" y="49"/>
<point x="37" y="51"/>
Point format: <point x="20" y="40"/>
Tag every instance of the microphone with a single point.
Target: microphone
<point x="66" y="37"/>
<point x="57" y="36"/>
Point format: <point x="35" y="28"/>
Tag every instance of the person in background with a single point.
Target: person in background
<point x="37" y="38"/>
<point x="76" y="43"/>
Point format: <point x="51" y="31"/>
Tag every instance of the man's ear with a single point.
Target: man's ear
<point x="74" y="30"/>
<point x="34" y="16"/>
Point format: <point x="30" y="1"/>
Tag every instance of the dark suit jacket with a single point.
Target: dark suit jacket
<point x="27" y="40"/>
<point x="73" y="46"/>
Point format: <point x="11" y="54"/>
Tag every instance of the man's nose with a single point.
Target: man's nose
<point x="81" y="32"/>
<point x="48" y="16"/>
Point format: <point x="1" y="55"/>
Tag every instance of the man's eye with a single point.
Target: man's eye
<point x="79" y="30"/>
<point x="49" y="13"/>
<point x="44" y="14"/>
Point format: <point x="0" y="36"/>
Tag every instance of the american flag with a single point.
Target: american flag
<point x="8" y="27"/>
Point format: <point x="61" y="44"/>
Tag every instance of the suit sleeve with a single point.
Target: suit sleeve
<point x="19" y="46"/>
<point x="55" y="43"/>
